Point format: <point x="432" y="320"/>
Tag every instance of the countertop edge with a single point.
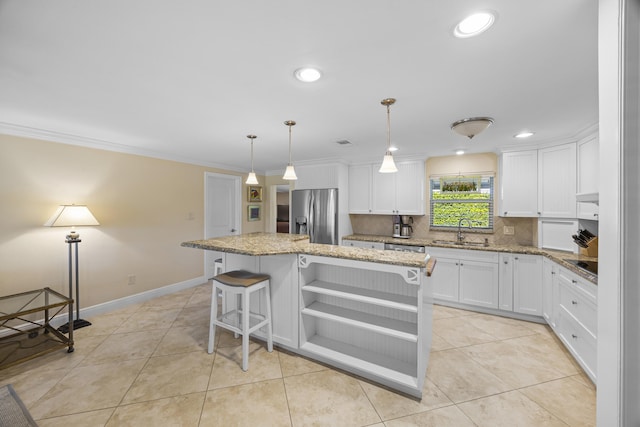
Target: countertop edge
<point x="554" y="255"/>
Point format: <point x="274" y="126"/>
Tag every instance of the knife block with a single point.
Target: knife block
<point x="592" y="249"/>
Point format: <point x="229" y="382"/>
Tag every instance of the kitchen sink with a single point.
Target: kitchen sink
<point x="463" y="243"/>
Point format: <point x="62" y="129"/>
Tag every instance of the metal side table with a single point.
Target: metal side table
<point x="25" y="331"/>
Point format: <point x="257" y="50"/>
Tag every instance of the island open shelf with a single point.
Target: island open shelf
<point x="368" y="318"/>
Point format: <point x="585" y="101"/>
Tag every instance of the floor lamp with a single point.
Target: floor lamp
<point x="73" y="216"/>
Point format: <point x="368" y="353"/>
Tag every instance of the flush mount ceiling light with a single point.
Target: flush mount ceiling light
<point x="307" y="75"/>
<point x="290" y="172"/>
<point x="524" y="134"/>
<point x="388" y="165"/>
<point x="472" y="126"/>
<point x="459" y="152"/>
<point x="252" y="179"/>
<point x="474" y="24"/>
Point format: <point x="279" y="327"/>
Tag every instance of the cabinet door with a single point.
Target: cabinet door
<point x="360" y="189"/>
<point x="505" y="299"/>
<point x="557" y="181"/>
<point x="588" y="210"/>
<point x="445" y="279"/>
<point x="527" y="284"/>
<point x="588" y="164"/>
<point x="383" y="192"/>
<point x="317" y="176"/>
<point x="549" y="291"/>
<point x="519" y="184"/>
<point x="479" y="283"/>
<point x="410" y="188"/>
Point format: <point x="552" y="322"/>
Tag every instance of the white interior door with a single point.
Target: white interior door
<point x="222" y="216"/>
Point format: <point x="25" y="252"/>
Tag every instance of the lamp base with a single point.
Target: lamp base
<point x="77" y="324"/>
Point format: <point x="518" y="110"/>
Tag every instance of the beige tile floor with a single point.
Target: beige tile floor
<point x="147" y="365"/>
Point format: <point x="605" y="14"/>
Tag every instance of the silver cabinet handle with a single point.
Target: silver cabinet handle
<point x="574" y="302"/>
<point x="574" y="281"/>
<point x="574" y="336"/>
<point x="233" y="230"/>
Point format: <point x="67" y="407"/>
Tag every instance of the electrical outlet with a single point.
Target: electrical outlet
<point x="132" y="279"/>
<point x="509" y="230"/>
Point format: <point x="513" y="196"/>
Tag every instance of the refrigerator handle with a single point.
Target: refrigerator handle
<point x="312" y="214"/>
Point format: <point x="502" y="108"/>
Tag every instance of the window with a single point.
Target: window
<point x="456" y="197"/>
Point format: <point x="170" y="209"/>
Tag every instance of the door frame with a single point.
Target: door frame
<point x="237" y="181"/>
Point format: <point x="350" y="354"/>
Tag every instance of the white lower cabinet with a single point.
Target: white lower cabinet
<point x="362" y="244"/>
<point x="521" y="283"/>
<point x="466" y="276"/>
<point x="367" y="318"/>
<point x="575" y="316"/>
<point x="549" y="291"/>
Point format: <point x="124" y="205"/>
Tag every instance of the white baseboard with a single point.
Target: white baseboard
<point x="98" y="309"/>
<point x="106" y="307"/>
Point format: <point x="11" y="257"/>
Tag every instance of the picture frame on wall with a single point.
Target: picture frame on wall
<point x="254" y="193"/>
<point x="253" y="213"/>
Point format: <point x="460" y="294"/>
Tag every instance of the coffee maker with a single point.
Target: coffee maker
<point x="396" y="226"/>
<point x="406" y="229"/>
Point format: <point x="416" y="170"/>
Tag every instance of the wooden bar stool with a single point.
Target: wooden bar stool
<point x="242" y="284"/>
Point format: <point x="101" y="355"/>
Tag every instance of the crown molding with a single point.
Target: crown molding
<point x="101" y="144"/>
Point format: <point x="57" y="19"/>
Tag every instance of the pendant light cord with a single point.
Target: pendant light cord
<point x="289" y="144"/>
<point x="388" y="129"/>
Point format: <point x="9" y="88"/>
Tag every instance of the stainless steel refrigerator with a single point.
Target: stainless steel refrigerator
<point x="315" y="212"/>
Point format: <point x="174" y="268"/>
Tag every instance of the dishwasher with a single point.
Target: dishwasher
<point x="403" y="248"/>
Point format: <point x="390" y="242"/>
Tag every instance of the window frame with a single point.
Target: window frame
<point x="490" y="177"/>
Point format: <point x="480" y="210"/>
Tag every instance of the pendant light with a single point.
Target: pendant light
<point x="388" y="165"/>
<point x="252" y="179"/>
<point x="290" y="173"/>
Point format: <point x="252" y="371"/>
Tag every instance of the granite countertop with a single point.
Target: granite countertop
<point x="556" y="256"/>
<point x="258" y="244"/>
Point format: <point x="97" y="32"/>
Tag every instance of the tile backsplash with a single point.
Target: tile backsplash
<point x="525" y="229"/>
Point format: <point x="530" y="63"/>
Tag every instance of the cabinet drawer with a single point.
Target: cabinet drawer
<point x="584" y="287"/>
<point x="579" y="341"/>
<point x="579" y="307"/>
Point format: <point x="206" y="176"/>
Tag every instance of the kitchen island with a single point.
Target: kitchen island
<point x="362" y="310"/>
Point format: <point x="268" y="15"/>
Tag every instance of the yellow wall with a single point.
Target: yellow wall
<point x="146" y="207"/>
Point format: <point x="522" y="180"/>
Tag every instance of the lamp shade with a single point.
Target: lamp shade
<point x="472" y="126"/>
<point x="252" y="179"/>
<point x="290" y="173"/>
<point x="71" y="216"/>
<point x="388" y="165"/>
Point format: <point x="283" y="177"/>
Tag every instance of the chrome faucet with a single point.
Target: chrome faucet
<point x="460" y="235"/>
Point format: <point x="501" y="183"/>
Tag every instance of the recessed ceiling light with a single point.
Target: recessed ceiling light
<point x="524" y="134"/>
<point x="459" y="152"/>
<point x="307" y="74"/>
<point x="474" y="24"/>
<point x="393" y="148"/>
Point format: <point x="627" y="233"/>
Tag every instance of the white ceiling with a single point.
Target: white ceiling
<point x="188" y="80"/>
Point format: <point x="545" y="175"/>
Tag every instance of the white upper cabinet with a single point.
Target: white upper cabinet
<point x="360" y="189"/>
<point x="319" y="176"/>
<point x="588" y="159"/>
<point x="519" y="184"/>
<point x="588" y="175"/>
<point x="387" y="193"/>
<point x="410" y="188"/>
<point x="539" y="183"/>
<point x="557" y="181"/>
<point x="383" y="194"/>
